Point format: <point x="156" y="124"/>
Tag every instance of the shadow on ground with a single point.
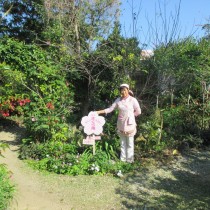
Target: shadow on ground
<point x="184" y="184"/>
<point x="9" y="126"/>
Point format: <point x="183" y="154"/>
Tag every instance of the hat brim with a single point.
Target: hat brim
<point x="124" y="85"/>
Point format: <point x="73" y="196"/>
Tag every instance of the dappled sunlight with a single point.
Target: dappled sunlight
<point x="183" y="184"/>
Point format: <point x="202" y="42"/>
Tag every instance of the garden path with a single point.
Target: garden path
<point x="38" y="191"/>
<point x="30" y="195"/>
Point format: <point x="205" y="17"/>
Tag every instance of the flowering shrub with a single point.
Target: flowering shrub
<point x="37" y="88"/>
<point x="46" y="121"/>
<point x="13" y="105"/>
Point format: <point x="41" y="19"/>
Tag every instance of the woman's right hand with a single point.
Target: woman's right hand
<point x="100" y="112"/>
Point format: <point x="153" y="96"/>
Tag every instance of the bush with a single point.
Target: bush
<point x="39" y="151"/>
<point x="184" y="124"/>
<point x="63" y="158"/>
<point x="34" y="86"/>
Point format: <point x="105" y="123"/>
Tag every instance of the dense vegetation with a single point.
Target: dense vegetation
<point x="61" y="61"/>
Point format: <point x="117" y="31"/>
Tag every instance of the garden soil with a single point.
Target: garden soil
<point x="182" y="184"/>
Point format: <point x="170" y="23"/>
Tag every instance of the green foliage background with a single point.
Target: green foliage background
<point x="55" y="68"/>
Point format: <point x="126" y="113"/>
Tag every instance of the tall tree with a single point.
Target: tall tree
<point x="206" y="27"/>
<point x="82" y="22"/>
<point x="119" y="62"/>
<point x="23" y="20"/>
<point x="82" y="25"/>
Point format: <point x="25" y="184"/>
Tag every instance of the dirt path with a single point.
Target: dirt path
<point x="30" y="195"/>
<point x="38" y="191"/>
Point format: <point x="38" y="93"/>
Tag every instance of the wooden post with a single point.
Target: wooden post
<point x="94" y="145"/>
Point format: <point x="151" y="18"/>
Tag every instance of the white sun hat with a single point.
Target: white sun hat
<point x="124" y="85"/>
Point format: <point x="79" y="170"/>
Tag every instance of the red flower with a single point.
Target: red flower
<point x="5" y="114"/>
<point x="21" y="102"/>
<point x="27" y="100"/>
<point x="49" y="105"/>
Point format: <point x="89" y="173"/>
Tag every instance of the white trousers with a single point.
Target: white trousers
<point x="127" y="148"/>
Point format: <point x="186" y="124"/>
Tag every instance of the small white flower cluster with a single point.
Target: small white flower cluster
<point x="94" y="168"/>
<point x="66" y="164"/>
<point x="119" y="173"/>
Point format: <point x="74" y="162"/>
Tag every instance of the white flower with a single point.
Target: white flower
<point x="94" y="168"/>
<point x="33" y="119"/>
<point x="119" y="173"/>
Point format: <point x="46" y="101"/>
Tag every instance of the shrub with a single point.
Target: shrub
<point x="34" y="86"/>
<point x="63" y="158"/>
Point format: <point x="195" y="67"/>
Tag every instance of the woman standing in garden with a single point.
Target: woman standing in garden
<point x="129" y="108"/>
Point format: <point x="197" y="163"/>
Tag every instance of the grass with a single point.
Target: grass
<point x="6" y="188"/>
<point x="182" y="183"/>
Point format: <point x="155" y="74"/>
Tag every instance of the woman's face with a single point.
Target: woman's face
<point x="124" y="92"/>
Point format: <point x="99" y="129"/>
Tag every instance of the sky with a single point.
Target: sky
<point x="157" y="21"/>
